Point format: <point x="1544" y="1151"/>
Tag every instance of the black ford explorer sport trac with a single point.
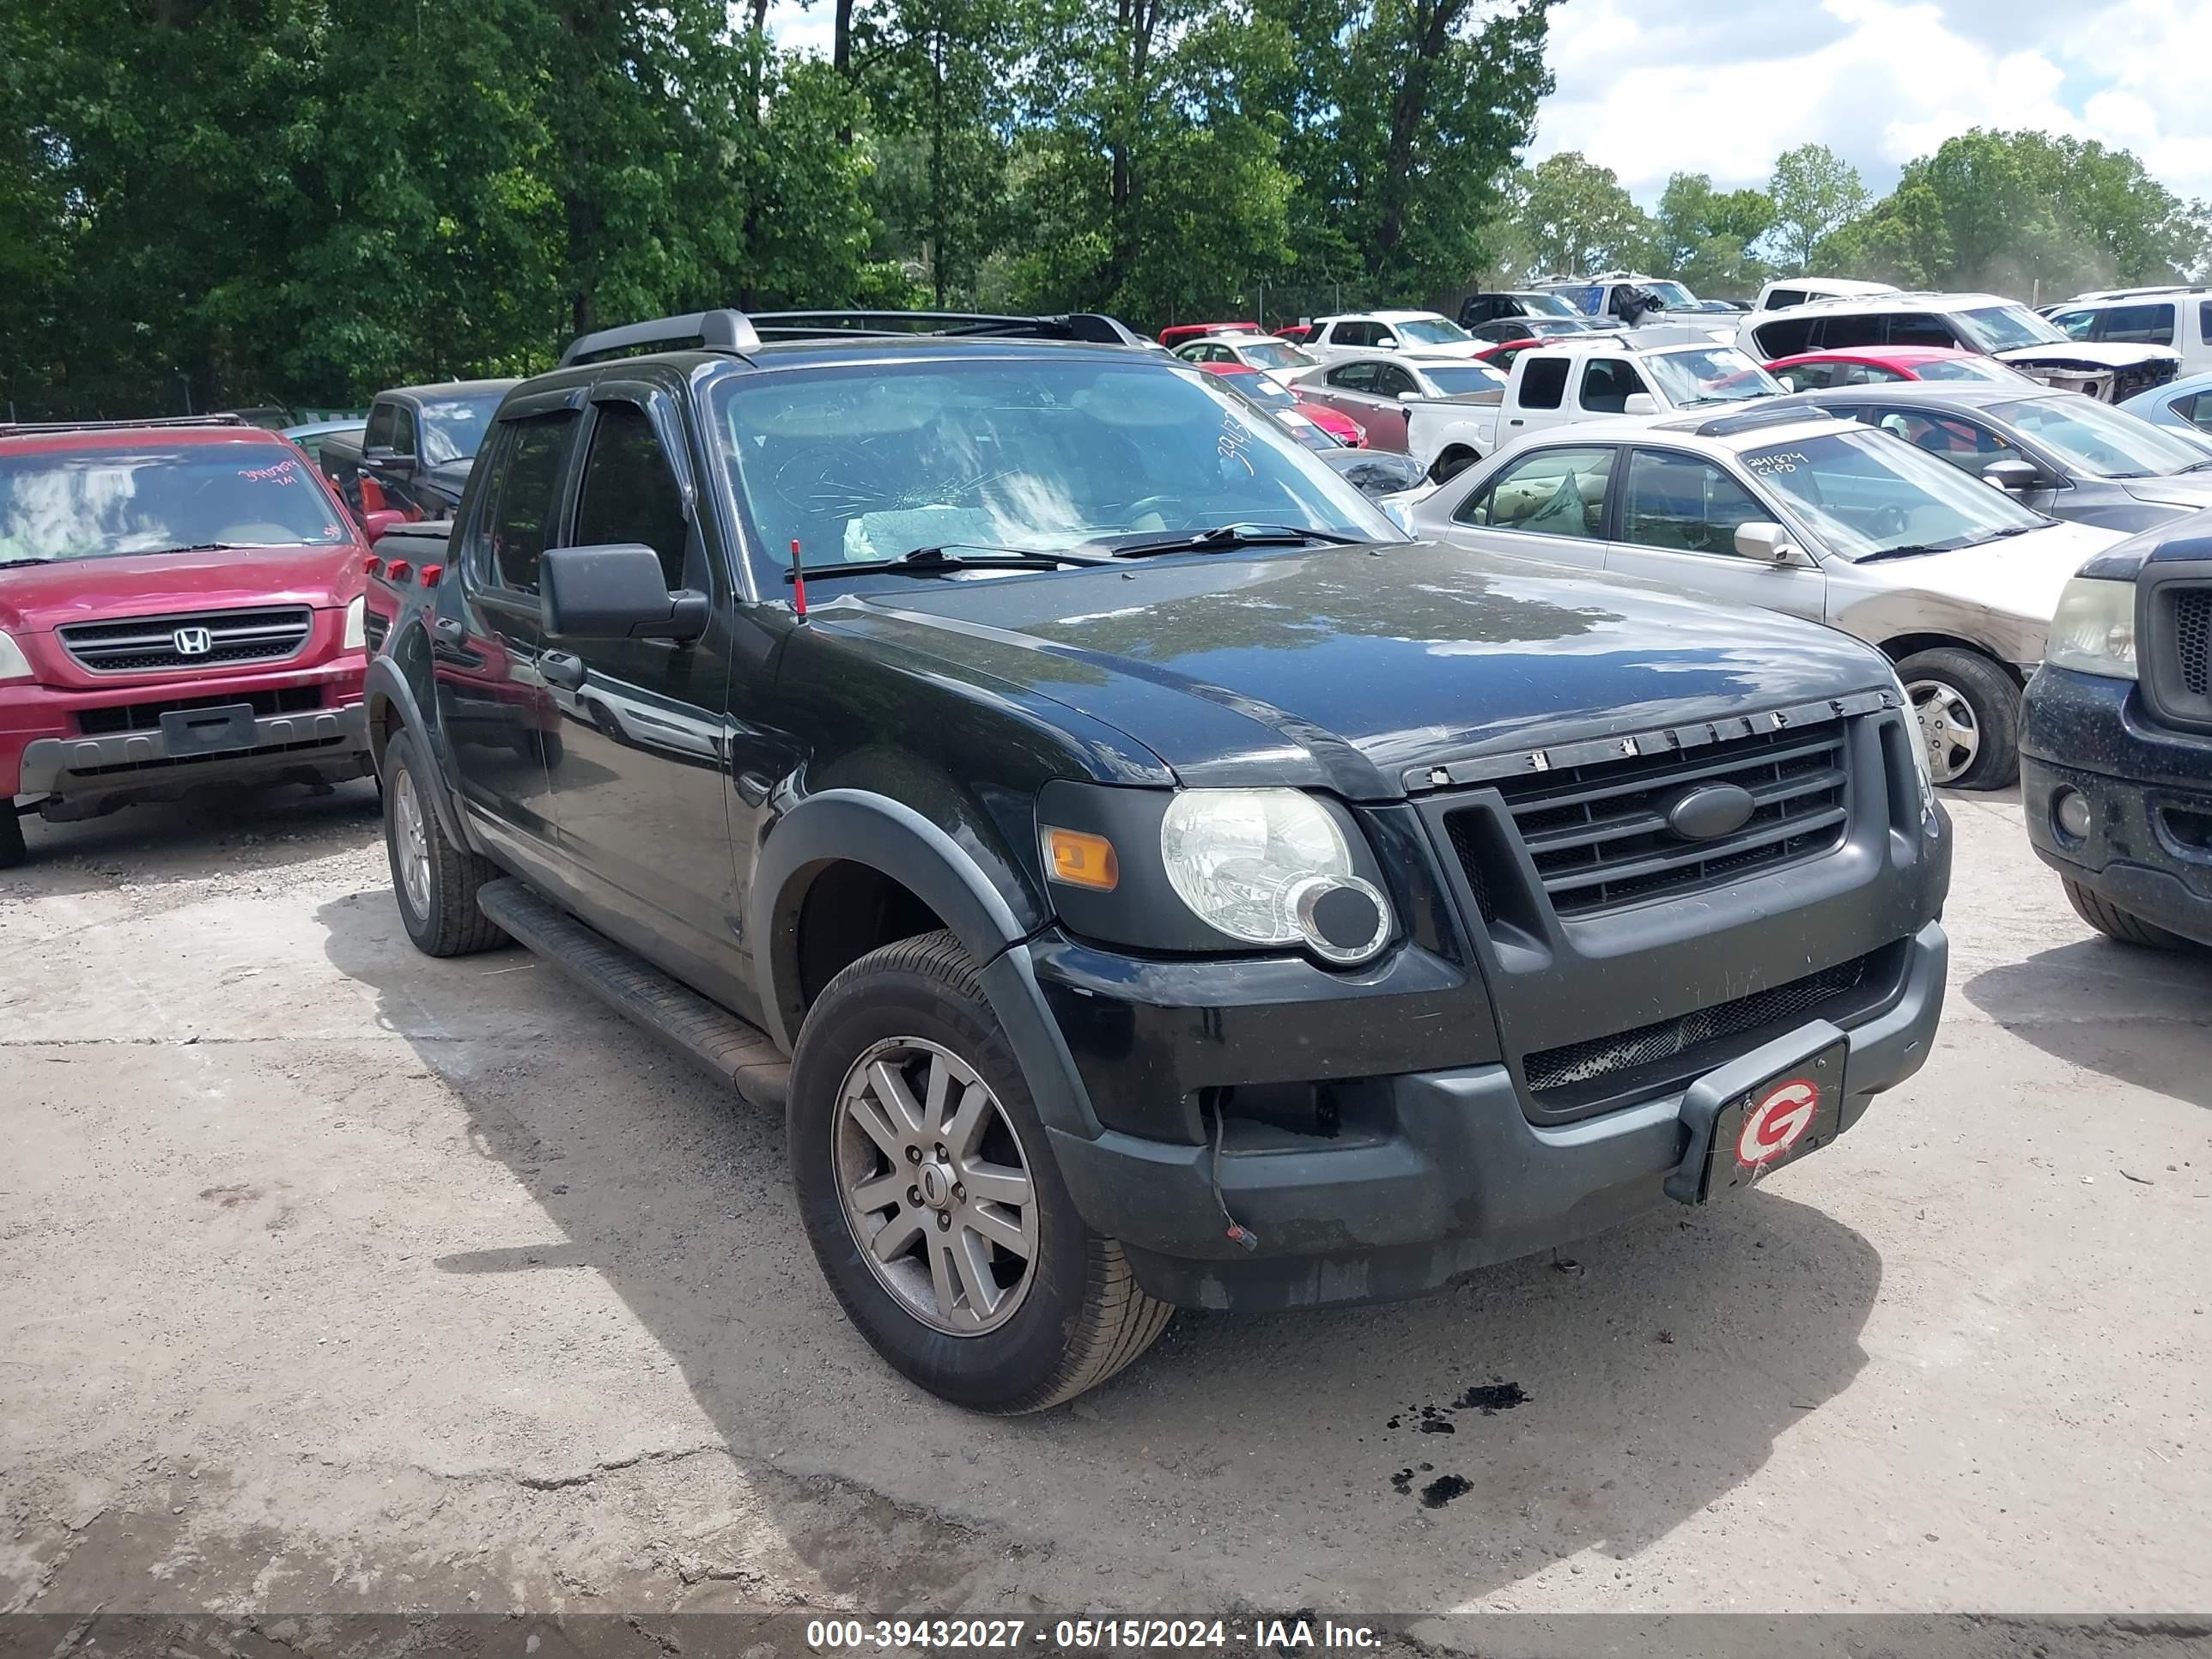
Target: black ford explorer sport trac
<point x="2116" y="739"/>
<point x="1142" y="877"/>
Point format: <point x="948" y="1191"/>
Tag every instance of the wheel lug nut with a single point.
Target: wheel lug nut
<point x="959" y="1194"/>
<point x="944" y="1222"/>
<point x="914" y="1196"/>
<point x="914" y="1154"/>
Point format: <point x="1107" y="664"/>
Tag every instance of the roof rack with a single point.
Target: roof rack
<point x="737" y="332"/>
<point x="714" y="331"/>
<point x="9" y="428"/>
<point x="1776" y="413"/>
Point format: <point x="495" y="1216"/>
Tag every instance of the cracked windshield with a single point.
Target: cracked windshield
<point x="864" y="465"/>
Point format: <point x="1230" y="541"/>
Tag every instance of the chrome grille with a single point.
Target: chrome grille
<point x="148" y="644"/>
<point x="1599" y="836"/>
<point x="2192" y="639"/>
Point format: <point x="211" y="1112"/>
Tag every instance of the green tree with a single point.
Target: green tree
<point x="1701" y="235"/>
<point x="1146" y="186"/>
<point x="2030" y="214"/>
<point x="1403" y="119"/>
<point x="1814" y="192"/>
<point x="1579" y="219"/>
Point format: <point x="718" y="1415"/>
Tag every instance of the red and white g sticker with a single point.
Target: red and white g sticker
<point x="1777" y="1122"/>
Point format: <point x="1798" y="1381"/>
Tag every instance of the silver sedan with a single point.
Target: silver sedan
<point x="1816" y="517"/>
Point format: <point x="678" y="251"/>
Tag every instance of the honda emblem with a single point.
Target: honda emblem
<point x="193" y="642"/>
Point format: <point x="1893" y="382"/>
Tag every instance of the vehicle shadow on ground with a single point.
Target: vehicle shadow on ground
<point x="2136" y="1015"/>
<point x="213" y="831"/>
<point x="1411" y="1456"/>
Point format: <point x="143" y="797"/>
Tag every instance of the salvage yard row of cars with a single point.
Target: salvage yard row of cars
<point x="1143" y="868"/>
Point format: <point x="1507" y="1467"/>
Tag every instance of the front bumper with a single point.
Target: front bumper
<point x="2150" y="846"/>
<point x="1437" y="1173"/>
<point x="329" y="744"/>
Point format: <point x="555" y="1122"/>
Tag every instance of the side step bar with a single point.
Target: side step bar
<point x="710" y="1036"/>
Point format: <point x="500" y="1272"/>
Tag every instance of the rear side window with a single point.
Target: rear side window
<point x="629" y="492"/>
<point x="1786" y="339"/>
<point x="1782" y="298"/>
<point x="2205" y="320"/>
<point x="1843" y="333"/>
<point x="1543" y="382"/>
<point x="1555" y="492"/>
<point x="521" y="501"/>
<point x="2140" y="324"/>
<point x="1354" y="377"/>
<point x="378" y="436"/>
<point x="1606" y="383"/>
<point x="1353" y="334"/>
<point x="1915" y="328"/>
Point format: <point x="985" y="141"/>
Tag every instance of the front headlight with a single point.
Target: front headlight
<point x="1917" y="742"/>
<point x="356" y="628"/>
<point x="1270" y="866"/>
<point x="2095" y="631"/>
<point x="13" y="664"/>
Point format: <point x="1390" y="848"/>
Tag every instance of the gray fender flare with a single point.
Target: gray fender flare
<point x="851" y="825"/>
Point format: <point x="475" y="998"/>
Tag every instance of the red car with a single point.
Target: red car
<point x="1180" y="333"/>
<point x="1818" y="371"/>
<point x="180" y="604"/>
<point x="1285" y="400"/>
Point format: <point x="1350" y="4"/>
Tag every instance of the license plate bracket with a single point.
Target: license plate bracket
<point x="220" y="729"/>
<point x="1768" y="1109"/>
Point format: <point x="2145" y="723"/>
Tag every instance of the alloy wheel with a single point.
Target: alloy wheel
<point x="935" y="1186"/>
<point x="413" y="843"/>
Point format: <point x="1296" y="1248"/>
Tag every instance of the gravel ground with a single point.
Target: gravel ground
<point x="333" y="1278"/>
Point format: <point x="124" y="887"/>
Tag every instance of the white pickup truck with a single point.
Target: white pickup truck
<point x="1578" y="380"/>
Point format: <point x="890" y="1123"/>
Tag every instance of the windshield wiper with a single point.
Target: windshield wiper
<point x="2196" y="466"/>
<point x="1233" y="535"/>
<point x="927" y="561"/>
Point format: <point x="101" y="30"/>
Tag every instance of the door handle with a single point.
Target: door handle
<point x="562" y="668"/>
<point x="1516" y="421"/>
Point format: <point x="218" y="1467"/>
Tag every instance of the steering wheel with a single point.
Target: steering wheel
<point x="1887" y="521"/>
<point x="1173" y="511"/>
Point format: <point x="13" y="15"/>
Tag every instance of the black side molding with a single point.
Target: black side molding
<point x="710" y="1036"/>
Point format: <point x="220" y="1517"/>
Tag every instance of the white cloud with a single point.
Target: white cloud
<point x="1649" y="88"/>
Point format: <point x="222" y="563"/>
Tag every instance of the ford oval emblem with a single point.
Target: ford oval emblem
<point x="1710" y="812"/>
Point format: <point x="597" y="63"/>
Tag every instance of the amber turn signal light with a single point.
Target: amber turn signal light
<point x="1082" y="860"/>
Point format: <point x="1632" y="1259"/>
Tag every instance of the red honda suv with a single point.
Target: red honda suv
<point x="180" y="604"/>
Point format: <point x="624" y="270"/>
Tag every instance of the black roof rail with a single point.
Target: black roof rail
<point x="1774" y="412"/>
<point x="9" y="428"/>
<point x="1087" y="326"/>
<point x="714" y="331"/>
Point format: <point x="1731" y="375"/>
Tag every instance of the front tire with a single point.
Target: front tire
<point x="12" y="850"/>
<point x="930" y="1196"/>
<point x="1968" y="709"/>
<point x="1450" y="464"/>
<point x="2114" y="923"/>
<point x="434" y="881"/>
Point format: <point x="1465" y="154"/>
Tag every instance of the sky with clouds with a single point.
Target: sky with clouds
<point x="1649" y="88"/>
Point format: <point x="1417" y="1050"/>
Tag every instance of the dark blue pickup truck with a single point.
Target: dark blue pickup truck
<point x="2116" y="742"/>
<point x="1140" y="876"/>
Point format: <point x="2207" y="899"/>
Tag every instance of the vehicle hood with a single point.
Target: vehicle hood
<point x="2098" y="352"/>
<point x="1340" y="668"/>
<point x="2020" y="576"/>
<point x="38" y="598"/>
<point x="2192" y="490"/>
<point x="2175" y="542"/>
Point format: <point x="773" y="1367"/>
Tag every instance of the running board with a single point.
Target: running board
<point x="707" y="1035"/>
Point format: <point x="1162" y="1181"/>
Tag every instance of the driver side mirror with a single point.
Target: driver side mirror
<point x="373" y="525"/>
<point x="614" y="591"/>
<point x="1639" y="402"/>
<point x="2014" y="477"/>
<point x="1767" y="542"/>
